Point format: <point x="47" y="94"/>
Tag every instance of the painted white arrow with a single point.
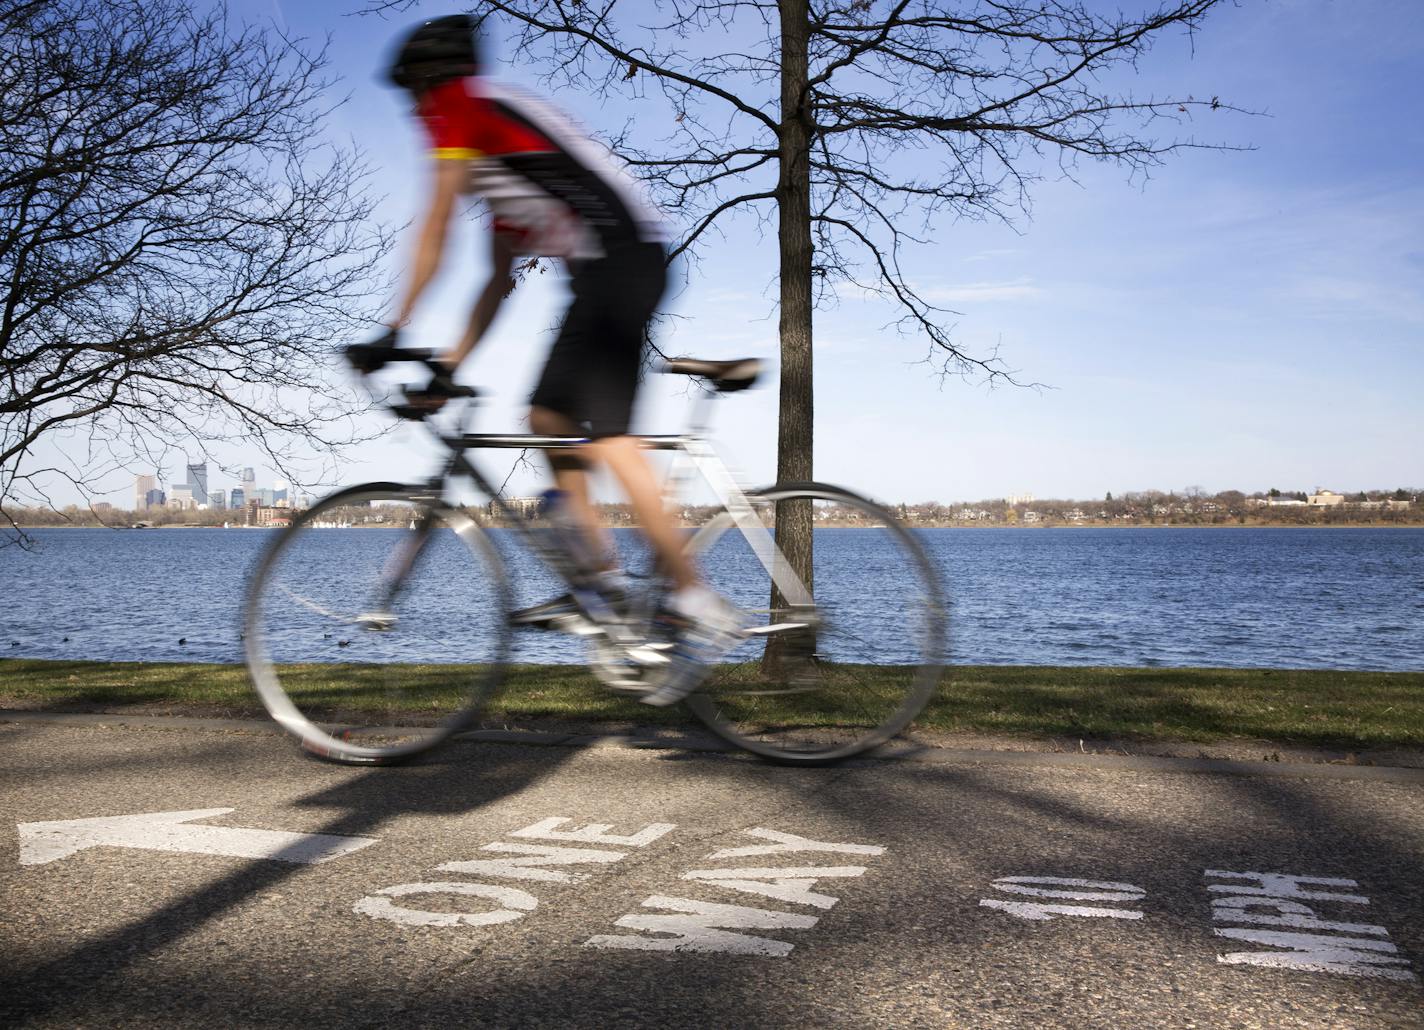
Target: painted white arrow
<point x="169" y="831"/>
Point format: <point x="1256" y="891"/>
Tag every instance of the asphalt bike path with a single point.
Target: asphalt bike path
<point x="175" y="875"/>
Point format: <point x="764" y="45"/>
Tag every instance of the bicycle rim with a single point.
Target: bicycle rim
<point x="375" y="624"/>
<point x="848" y="676"/>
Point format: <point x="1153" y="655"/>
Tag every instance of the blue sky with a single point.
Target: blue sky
<point x="1241" y="320"/>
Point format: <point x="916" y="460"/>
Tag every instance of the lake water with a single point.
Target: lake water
<point x="1274" y="598"/>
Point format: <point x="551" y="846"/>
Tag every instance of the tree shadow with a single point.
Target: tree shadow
<point x="934" y="955"/>
<point x="440" y="785"/>
<point x="1190" y="704"/>
<point x="1161" y="831"/>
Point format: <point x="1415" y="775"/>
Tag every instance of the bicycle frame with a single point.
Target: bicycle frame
<point x="692" y="453"/>
<point x="625" y="644"/>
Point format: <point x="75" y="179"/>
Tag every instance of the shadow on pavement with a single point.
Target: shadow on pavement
<point x="437" y="786"/>
<point x="909" y="945"/>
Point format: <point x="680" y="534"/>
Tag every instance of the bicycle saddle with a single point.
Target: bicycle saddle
<point x="726" y="376"/>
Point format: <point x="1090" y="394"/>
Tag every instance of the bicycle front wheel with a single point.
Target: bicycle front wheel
<point x="818" y="682"/>
<point x="376" y="624"/>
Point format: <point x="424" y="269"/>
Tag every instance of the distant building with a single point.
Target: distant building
<point x="236" y="499"/>
<point x="263" y="515"/>
<point x="1014" y="499"/>
<point x="248" y="479"/>
<point x="182" y="498"/>
<point x="155" y="499"/>
<point x="143" y="487"/>
<point x="526" y="507"/>
<point x="1382" y="505"/>
<point x="198" y="481"/>
<point x="217" y="499"/>
<point x="1325" y="499"/>
<point x="279" y="493"/>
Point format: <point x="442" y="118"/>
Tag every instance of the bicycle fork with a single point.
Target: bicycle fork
<point x="400" y="565"/>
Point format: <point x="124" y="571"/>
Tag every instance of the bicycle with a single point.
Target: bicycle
<point x="807" y="684"/>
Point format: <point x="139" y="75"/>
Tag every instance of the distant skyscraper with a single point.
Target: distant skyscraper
<point x="237" y="498"/>
<point x="217" y="499"/>
<point x="143" y="486"/>
<point x="249" y="479"/>
<point x="182" y="496"/>
<point x="198" y="481"/>
<point x="279" y="492"/>
<point x="155" y="499"/>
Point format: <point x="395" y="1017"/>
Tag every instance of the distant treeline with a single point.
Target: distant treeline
<point x="1192" y="506"/>
<point x="1149" y="507"/>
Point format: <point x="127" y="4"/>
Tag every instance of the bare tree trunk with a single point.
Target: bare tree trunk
<point x="797" y="408"/>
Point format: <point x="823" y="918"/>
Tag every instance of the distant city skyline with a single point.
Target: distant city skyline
<point x="194" y="492"/>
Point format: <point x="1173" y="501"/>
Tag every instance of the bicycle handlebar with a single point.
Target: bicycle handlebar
<point x="372" y="357"/>
<point x="369" y="358"/>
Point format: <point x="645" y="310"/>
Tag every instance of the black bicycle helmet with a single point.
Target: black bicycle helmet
<point x="436" y="50"/>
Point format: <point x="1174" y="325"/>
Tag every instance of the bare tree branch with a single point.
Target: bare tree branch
<point x="178" y="252"/>
<point x="859" y="119"/>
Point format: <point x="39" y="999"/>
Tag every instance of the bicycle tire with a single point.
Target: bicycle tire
<point x="397" y="596"/>
<point x="832" y="709"/>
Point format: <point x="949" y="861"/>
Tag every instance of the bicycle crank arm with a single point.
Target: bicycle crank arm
<point x="777" y="627"/>
<point x="381" y="621"/>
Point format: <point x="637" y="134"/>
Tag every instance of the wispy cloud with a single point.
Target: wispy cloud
<point x="1352" y="299"/>
<point x="983" y="293"/>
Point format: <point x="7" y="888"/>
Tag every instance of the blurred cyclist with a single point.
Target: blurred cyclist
<point x="554" y="193"/>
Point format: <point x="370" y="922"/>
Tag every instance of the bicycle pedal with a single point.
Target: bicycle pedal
<point x="650" y="654"/>
<point x="545" y="615"/>
<point x="576" y="625"/>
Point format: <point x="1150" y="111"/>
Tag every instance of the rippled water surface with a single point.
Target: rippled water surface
<point x="1286" y="598"/>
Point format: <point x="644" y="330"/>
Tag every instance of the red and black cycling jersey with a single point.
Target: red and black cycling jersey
<point x="554" y="190"/>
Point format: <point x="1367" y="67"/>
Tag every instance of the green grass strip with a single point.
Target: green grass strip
<point x="1354" y="710"/>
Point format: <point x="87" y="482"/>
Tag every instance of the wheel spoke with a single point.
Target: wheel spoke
<point x="342" y="628"/>
<point x="848" y="676"/>
<point x="312" y="606"/>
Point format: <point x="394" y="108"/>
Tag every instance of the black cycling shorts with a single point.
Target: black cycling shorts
<point x="592" y="372"/>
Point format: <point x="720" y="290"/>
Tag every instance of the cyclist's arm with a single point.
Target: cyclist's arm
<point x="498" y="287"/>
<point x="450" y="176"/>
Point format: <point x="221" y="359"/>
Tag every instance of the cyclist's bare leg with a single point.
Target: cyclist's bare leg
<point x="708" y="626"/>
<point x="571" y="476"/>
<point x="573" y="481"/>
<point x="625" y="458"/>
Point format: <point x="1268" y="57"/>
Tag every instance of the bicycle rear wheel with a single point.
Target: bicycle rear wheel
<point x="376" y="624"/>
<point x="811" y="686"/>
